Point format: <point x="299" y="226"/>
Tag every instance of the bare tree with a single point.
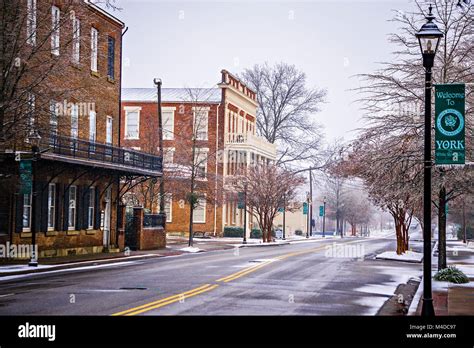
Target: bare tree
<point x="286" y="113"/>
<point x="266" y="188"/>
<point x="392" y="98"/>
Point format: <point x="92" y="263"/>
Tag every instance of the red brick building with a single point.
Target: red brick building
<point x="66" y="190"/>
<point x="227" y="139"/>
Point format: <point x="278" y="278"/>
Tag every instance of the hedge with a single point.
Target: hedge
<point x="233" y="231"/>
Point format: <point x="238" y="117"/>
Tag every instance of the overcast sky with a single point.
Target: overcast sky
<point x="187" y="43"/>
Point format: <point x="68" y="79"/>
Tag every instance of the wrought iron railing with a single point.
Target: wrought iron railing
<point x="154" y="220"/>
<point x="78" y="148"/>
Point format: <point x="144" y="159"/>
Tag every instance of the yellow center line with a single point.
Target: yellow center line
<point x="166" y="299"/>
<point x="208" y="287"/>
<point x="180" y="297"/>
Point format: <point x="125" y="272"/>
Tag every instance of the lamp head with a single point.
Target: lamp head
<point x="428" y="37"/>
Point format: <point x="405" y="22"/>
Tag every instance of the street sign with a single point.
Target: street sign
<point x="281" y="210"/>
<point x="305" y="208"/>
<point x="321" y="210"/>
<point x="450" y="124"/>
<point x="26" y="177"/>
<point x="241" y="202"/>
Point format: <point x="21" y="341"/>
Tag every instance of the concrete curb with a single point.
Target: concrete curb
<point x="259" y="245"/>
<point x="419" y="292"/>
<point x="79" y="264"/>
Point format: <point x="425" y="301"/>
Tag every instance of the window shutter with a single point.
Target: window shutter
<point x="43" y="193"/>
<point x="79" y="207"/>
<point x="97" y="209"/>
<point x="85" y="207"/>
<point x="66" y="210"/>
<point x="19" y="213"/>
<point x="111" y="56"/>
<point x="58" y="210"/>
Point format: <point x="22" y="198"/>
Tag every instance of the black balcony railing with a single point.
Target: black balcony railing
<point x="81" y="149"/>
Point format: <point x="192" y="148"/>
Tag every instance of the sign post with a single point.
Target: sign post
<point x="450" y="124"/>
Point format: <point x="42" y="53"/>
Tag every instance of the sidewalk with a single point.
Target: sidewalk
<point x="175" y="246"/>
<point x="450" y="298"/>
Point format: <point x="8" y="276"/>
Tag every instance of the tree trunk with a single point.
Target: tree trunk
<point x="398" y="233"/>
<point x="442" y="229"/>
<point x="464" y="227"/>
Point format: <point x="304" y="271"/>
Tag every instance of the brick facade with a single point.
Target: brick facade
<point x="77" y="184"/>
<point x="232" y="141"/>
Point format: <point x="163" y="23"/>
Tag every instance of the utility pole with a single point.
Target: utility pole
<point x="160" y="144"/>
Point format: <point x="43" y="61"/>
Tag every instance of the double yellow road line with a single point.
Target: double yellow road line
<point x="208" y="287"/>
<point x="166" y="301"/>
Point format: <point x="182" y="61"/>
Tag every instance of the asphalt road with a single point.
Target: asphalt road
<point x="315" y="278"/>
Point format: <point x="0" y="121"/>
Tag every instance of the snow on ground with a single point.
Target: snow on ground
<point x="408" y="256"/>
<point x="191" y="249"/>
<point x="373" y="303"/>
<point x="123" y="263"/>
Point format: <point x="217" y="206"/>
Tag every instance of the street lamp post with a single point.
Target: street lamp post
<point x="284" y="216"/>
<point x="324" y="216"/>
<point x="428" y="37"/>
<point x="34" y="140"/>
<point x="245" y="214"/>
<point x="310" y="202"/>
<point x="157" y="82"/>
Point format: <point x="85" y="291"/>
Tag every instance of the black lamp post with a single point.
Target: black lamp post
<point x="35" y="139"/>
<point x="428" y="37"/>
<point x="157" y="82"/>
<point x="284" y="216"/>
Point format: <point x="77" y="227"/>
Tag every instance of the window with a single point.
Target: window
<point x="111" y="58"/>
<point x="51" y="205"/>
<point x="132" y="123"/>
<point x="168" y="124"/>
<point x="199" y="213"/>
<point x="27" y="212"/>
<point x="168" y="155"/>
<point x="201" y="163"/>
<point x="76" y="40"/>
<point x="108" y="130"/>
<point x="92" y="126"/>
<point x="55" y="14"/>
<point x="94" y="39"/>
<point x="53" y="119"/>
<point x="168" y="208"/>
<point x="74" y="121"/>
<point x="31" y="22"/>
<point x="90" y="209"/>
<point x="200" y="123"/>
<point x="72" y="208"/>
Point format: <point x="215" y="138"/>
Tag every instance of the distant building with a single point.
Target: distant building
<point x="227" y="137"/>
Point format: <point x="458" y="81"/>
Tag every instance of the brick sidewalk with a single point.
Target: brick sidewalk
<point x="450" y="298"/>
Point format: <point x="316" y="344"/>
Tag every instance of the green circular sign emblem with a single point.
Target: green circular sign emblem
<point x="450" y="122"/>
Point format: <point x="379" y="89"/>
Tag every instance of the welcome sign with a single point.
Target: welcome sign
<point x="449" y="124"/>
